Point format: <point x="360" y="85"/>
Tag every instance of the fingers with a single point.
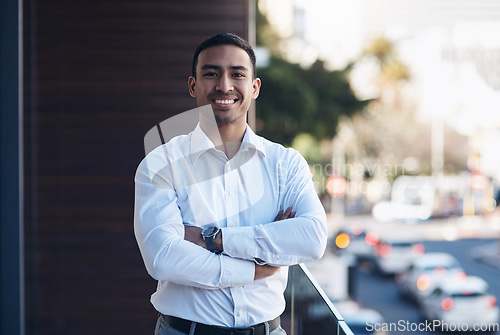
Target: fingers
<point x="279" y="216"/>
<point x="287" y="214"/>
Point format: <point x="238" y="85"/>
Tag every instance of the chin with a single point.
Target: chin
<point x="223" y="121"/>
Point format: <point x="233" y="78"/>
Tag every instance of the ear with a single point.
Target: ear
<point x="256" y="88"/>
<point x="192" y="86"/>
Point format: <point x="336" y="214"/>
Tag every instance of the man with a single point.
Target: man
<point x="221" y="213"/>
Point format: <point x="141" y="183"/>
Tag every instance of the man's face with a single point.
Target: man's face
<point x="224" y="79"/>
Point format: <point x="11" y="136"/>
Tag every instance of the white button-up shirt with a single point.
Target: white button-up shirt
<point x="189" y="182"/>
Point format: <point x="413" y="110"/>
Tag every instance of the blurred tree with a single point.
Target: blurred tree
<point x="381" y="48"/>
<point x="297" y="100"/>
<point x="294" y="99"/>
<point x="388" y="131"/>
<point x="391" y="69"/>
<point x="309" y="147"/>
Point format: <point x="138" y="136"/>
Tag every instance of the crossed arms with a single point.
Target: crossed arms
<point x="193" y="235"/>
<point x="175" y="252"/>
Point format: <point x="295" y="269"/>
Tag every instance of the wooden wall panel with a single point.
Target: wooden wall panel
<point x="98" y="76"/>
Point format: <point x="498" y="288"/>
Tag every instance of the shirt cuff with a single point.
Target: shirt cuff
<point x="236" y="272"/>
<point x="239" y="242"/>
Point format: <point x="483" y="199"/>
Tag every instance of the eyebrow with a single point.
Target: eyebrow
<point x="217" y="67"/>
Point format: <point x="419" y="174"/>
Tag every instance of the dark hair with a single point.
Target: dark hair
<point x="225" y="39"/>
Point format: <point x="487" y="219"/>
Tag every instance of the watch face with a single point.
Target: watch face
<point x="210" y="231"/>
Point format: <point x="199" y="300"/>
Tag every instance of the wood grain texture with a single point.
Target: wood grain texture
<point x="98" y="76"/>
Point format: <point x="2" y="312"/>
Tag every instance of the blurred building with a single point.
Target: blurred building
<point x="81" y="84"/>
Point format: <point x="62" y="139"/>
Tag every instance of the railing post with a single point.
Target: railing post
<point x="309" y="306"/>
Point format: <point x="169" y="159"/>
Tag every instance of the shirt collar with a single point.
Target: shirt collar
<point x="251" y="140"/>
<point x="200" y="142"/>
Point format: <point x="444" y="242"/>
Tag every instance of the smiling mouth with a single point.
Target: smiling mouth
<point x="224" y="101"/>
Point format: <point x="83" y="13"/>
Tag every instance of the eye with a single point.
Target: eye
<point x="210" y="74"/>
<point x="239" y="75"/>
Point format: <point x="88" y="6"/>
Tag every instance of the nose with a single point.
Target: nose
<point x="224" y="84"/>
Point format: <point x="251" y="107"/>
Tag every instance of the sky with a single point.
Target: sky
<point x="421" y="31"/>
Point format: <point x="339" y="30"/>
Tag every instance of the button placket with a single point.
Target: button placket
<point x="240" y="315"/>
<point x="231" y="195"/>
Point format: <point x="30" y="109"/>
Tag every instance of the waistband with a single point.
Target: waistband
<point x="203" y="329"/>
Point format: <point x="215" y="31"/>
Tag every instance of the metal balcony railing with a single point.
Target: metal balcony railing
<point x="309" y="311"/>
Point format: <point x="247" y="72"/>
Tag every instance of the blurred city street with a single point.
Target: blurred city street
<point x="450" y="228"/>
<point x="381" y="293"/>
<point x="473" y="241"/>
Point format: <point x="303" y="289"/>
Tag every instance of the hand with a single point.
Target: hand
<point x="288" y="214"/>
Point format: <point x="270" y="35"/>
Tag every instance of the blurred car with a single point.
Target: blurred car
<point x="395" y="255"/>
<point x="353" y="241"/>
<point x="425" y="273"/>
<point x="360" y="320"/>
<point x="461" y="303"/>
<point x="412" y="199"/>
<point x="389" y="211"/>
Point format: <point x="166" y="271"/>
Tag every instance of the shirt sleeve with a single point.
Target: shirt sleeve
<point x="290" y="241"/>
<point x="159" y="231"/>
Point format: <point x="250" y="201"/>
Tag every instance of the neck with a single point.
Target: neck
<point x="225" y="137"/>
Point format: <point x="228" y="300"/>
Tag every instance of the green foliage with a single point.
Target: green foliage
<point x="308" y="147"/>
<point x="294" y="99"/>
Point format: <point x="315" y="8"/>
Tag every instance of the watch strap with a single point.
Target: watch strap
<point x="209" y="235"/>
<point x="210" y="242"/>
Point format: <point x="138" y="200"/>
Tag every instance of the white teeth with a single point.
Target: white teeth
<point x="224" y="102"/>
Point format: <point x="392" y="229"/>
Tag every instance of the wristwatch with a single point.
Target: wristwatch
<point x="208" y="235"/>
